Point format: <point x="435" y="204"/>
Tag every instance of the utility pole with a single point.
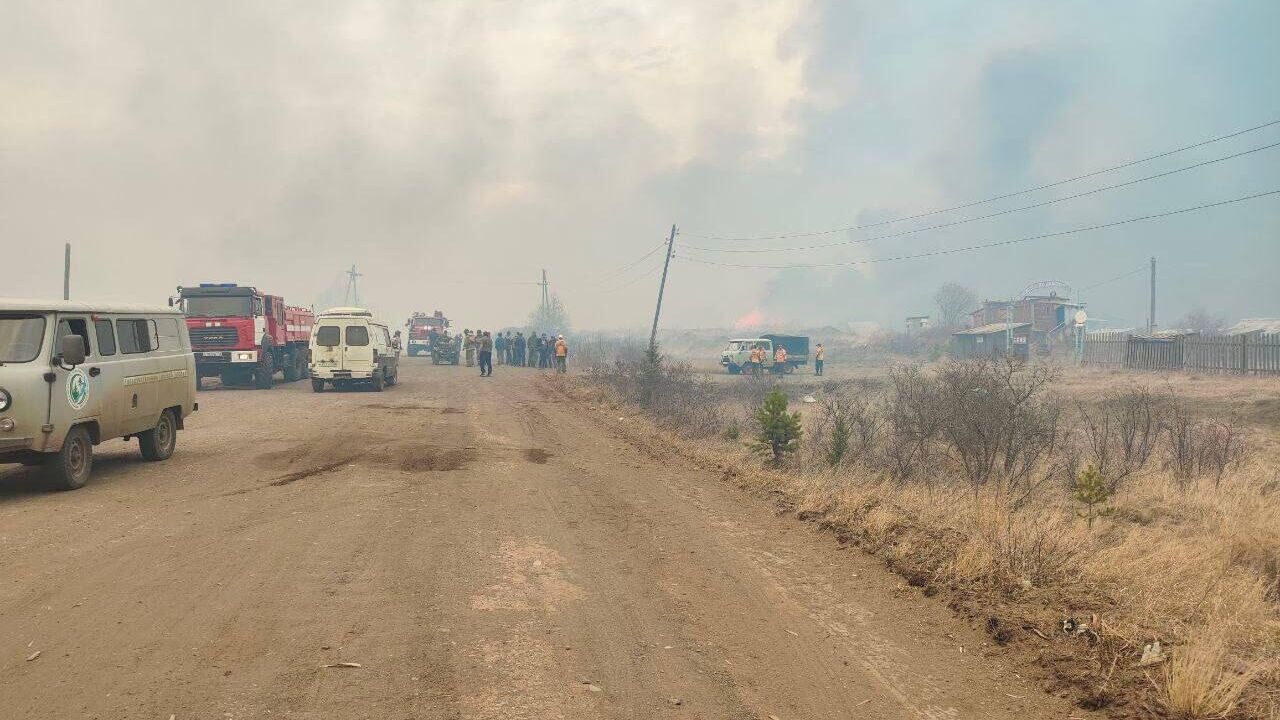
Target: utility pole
<point x="653" y="334"/>
<point x="1151" y="318"/>
<point x="546" y="294"/>
<point x="353" y="288"/>
<point x="66" y="273"/>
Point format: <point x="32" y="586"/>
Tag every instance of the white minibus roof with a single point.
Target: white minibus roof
<point x="75" y="306"/>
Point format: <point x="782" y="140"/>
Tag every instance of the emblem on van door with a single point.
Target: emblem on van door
<point x="77" y="389"/>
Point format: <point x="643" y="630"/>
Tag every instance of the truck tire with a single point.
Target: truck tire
<point x="292" y="367"/>
<point x="264" y="376"/>
<point x="378" y="382"/>
<point x="734" y="369"/>
<point x="790" y="368"/>
<point x="72" y="465"/>
<point x="317" y="385"/>
<point x="158" y="442"/>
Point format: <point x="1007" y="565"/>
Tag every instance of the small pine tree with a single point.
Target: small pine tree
<point x="731" y="431"/>
<point x="1092" y="492"/>
<point x="839" y="440"/>
<point x="779" y="430"/>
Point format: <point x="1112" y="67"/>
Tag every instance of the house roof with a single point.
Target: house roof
<point x="1252" y="325"/>
<point x="992" y="328"/>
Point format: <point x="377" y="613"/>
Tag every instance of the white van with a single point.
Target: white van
<point x="348" y="346"/>
<point x="74" y="375"/>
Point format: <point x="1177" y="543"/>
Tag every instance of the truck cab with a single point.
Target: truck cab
<point x="227" y="322"/>
<point x="422" y="329"/>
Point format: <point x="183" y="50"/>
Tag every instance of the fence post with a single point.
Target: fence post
<point x="1244" y="354"/>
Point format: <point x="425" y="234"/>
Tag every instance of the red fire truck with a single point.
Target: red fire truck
<point x="421" y="326"/>
<point x="226" y="323"/>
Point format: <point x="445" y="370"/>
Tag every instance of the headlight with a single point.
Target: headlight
<point x="5" y="399"/>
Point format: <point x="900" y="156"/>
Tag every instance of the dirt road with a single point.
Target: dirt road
<point x="481" y="550"/>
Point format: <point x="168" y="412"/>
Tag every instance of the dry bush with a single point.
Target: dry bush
<point x="1197" y="685"/>
<point x="1122" y="432"/>
<point x="952" y="474"/>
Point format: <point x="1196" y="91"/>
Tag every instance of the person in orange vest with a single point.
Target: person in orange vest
<point x="755" y="359"/>
<point x="819" y="356"/>
<point x="780" y="360"/>
<point x="562" y="355"/>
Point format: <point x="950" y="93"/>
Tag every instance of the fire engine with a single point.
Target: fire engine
<point x="226" y="323"/>
<point x="421" y="326"/>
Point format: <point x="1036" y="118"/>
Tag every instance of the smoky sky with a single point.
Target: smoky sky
<point x="454" y="150"/>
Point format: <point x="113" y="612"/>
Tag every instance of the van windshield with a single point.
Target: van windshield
<point x="329" y="336"/>
<point x="20" y="338"/>
<point x="218" y="306"/>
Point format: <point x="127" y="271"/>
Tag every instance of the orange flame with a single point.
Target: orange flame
<point x="755" y="318"/>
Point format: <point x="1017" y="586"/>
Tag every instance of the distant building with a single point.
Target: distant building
<point x="1255" y="326"/>
<point x="992" y="339"/>
<point x="1048" y="315"/>
<point x="917" y="322"/>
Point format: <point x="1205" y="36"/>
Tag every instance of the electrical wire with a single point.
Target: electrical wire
<point x="1009" y="211"/>
<point x="983" y="246"/>
<point x="1134" y="271"/>
<point x="984" y="201"/>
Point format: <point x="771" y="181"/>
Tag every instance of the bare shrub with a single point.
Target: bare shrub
<point x="671" y="392"/>
<point x="850" y="428"/>
<point x="1121" y="434"/>
<point x="912" y="424"/>
<point x="1197" y="447"/>
<point x="1001" y="425"/>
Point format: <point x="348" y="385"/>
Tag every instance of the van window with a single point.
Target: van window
<point x="136" y="336"/>
<point x="167" y="334"/>
<point x="328" y="336"/>
<point x="72" y="326"/>
<point x="20" y="338"/>
<point x="357" y="336"/>
<point x="106" y="337"/>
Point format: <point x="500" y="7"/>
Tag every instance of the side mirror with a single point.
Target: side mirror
<point x="72" y="350"/>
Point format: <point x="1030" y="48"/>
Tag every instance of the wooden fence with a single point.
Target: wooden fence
<point x="1255" y="353"/>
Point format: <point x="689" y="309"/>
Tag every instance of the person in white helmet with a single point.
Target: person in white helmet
<point x="562" y="355"/>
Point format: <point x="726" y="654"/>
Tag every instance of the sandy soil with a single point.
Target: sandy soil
<point x="481" y="549"/>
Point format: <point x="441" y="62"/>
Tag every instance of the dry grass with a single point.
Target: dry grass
<point x="1194" y="565"/>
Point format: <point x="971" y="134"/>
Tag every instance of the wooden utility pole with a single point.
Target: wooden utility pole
<point x="653" y="334"/>
<point x="546" y="293"/>
<point x="66" y="273"/>
<point x="1151" y="318"/>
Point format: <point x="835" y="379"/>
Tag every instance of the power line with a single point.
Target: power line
<point x="1143" y="268"/>
<point x="1016" y="193"/>
<point x="991" y="215"/>
<point x="983" y="246"/>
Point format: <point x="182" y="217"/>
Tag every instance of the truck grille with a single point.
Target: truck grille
<point x="203" y="338"/>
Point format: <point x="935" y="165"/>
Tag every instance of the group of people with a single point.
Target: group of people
<point x="756" y="358"/>
<point x="516" y="350"/>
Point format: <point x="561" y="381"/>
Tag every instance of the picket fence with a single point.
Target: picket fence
<point x="1254" y="353"/>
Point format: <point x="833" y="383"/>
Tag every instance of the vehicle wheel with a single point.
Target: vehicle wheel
<point x="378" y="382"/>
<point x="789" y="369"/>
<point x="394" y="377"/>
<point x="158" y="442"/>
<point x="263" y="378"/>
<point x="317" y="385"/>
<point x="735" y="369"/>
<point x="292" y="368"/>
<point x="75" y="461"/>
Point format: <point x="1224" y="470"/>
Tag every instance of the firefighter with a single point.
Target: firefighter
<point x="562" y="355"/>
<point x="755" y="359"/>
<point x="264" y="374"/>
<point x="780" y="360"/>
<point x="485" y="343"/>
<point x="819" y="356"/>
<point x="534" y="349"/>
<point x="517" y="351"/>
<point x="500" y="347"/>
<point x="469" y="347"/>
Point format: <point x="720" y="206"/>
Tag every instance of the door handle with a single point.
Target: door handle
<point x="95" y="372"/>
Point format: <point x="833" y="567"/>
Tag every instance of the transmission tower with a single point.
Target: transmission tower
<point x="353" y="288"/>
